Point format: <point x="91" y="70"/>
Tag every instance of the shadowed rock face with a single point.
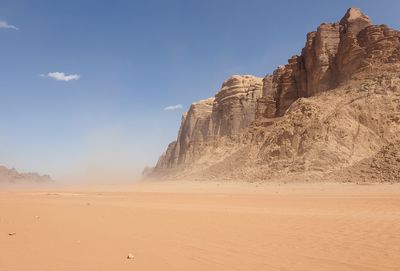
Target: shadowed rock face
<point x="319" y="59"/>
<point x="13" y="176"/>
<point x="351" y="54"/>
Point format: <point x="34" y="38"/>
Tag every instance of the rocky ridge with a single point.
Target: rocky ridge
<point x="13" y="176"/>
<point x="332" y="106"/>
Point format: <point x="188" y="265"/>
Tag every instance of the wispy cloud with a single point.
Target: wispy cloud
<point x="4" y="24"/>
<point x="173" y="107"/>
<point x="60" y="76"/>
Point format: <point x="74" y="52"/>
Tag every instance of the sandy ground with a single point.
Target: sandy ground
<point x="201" y="226"/>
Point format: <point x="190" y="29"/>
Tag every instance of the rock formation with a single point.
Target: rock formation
<point x="13" y="176"/>
<point x="235" y="104"/>
<point x="195" y="129"/>
<point x="335" y="104"/>
<point x="232" y="109"/>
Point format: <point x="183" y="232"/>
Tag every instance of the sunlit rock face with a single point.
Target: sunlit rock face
<point x="235" y="104"/>
<point x="323" y="63"/>
<point x="275" y="121"/>
<point x="319" y="59"/>
<point x="233" y="108"/>
<point x="195" y="128"/>
<point x="333" y="54"/>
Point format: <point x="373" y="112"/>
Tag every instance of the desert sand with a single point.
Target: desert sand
<point x="201" y="226"/>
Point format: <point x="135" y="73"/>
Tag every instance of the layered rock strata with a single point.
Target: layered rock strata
<point x="235" y="104"/>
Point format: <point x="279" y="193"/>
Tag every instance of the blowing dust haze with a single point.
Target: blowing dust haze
<point x="217" y="135"/>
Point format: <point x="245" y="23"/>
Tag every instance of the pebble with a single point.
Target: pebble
<point x="130" y="256"/>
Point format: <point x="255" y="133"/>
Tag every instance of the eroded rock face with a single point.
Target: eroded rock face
<point x="232" y="109"/>
<point x="331" y="56"/>
<point x="289" y="84"/>
<point x="354" y="21"/>
<point x="373" y="46"/>
<point x="319" y="59"/>
<point x="258" y="128"/>
<point x="195" y="128"/>
<point x="235" y="104"/>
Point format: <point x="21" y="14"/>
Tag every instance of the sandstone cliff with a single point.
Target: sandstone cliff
<point x="232" y="109"/>
<point x="194" y="130"/>
<point x="235" y="104"/>
<point x="13" y="176"/>
<point x="332" y="106"/>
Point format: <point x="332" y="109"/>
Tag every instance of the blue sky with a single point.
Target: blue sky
<point x="128" y="61"/>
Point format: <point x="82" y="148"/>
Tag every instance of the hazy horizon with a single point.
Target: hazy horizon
<point x="97" y="88"/>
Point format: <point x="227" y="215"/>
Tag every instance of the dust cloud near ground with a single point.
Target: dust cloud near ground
<point x="201" y="226"/>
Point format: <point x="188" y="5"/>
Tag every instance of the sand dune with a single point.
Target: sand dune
<point x="201" y="226"/>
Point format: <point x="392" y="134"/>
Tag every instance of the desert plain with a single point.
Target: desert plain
<point x="200" y="226"/>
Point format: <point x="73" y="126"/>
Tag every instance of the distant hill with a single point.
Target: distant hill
<point x="13" y="176"/>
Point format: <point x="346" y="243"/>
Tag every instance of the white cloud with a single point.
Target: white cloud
<point x="173" y="107"/>
<point x="60" y="76"/>
<point x="4" y="24"/>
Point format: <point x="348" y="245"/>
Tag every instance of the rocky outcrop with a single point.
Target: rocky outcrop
<point x="354" y="21"/>
<point x="232" y="109"/>
<point x="326" y="61"/>
<point x="195" y="128"/>
<point x="319" y="59"/>
<point x="331" y="106"/>
<point x="375" y="45"/>
<point x="332" y="55"/>
<point x="266" y="105"/>
<point x="235" y="104"/>
<point x="13" y="176"/>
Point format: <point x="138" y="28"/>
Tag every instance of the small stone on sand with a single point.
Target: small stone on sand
<point x="130" y="256"/>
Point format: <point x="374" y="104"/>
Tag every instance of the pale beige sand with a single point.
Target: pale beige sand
<point x="201" y="226"/>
